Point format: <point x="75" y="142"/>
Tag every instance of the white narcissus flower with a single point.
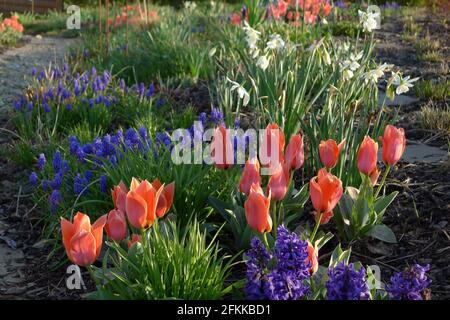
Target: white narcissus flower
<point x="190" y="5"/>
<point x="242" y="93"/>
<point x="326" y="57"/>
<point x="375" y="74"/>
<point x="252" y="36"/>
<point x="275" y="42"/>
<point x="368" y="20"/>
<point x="347" y="74"/>
<point x="402" y="84"/>
<point x="262" y="62"/>
<point x="353" y="63"/>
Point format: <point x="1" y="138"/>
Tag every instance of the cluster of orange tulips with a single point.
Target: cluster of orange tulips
<point x="325" y="189"/>
<point x="142" y="204"/>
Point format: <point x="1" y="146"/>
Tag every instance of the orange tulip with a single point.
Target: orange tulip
<point x="81" y="240"/>
<point x="279" y="182"/>
<point x="141" y="203"/>
<point x="273" y="138"/>
<point x="326" y="191"/>
<point x="166" y="198"/>
<point x="295" y="154"/>
<point x="116" y="225"/>
<point x="367" y="156"/>
<point x="250" y="175"/>
<point x="313" y="258"/>
<point x="135" y="238"/>
<point x="222" y="148"/>
<point x="329" y="152"/>
<point x="394" y="144"/>
<point x="257" y="210"/>
<point x="326" y="216"/>
<point x="119" y="195"/>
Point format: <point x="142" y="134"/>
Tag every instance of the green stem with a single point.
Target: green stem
<point x="274" y="218"/>
<point x="265" y="240"/>
<point x="386" y="172"/>
<point x="316" y="227"/>
<point x="91" y="273"/>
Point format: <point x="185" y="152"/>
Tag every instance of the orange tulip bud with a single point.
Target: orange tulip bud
<point x="81" y="240"/>
<point x="119" y="195"/>
<point x="166" y="198"/>
<point x="272" y="146"/>
<point x="367" y="156"/>
<point x="250" y="175"/>
<point x="222" y="148"/>
<point x="279" y="182"/>
<point x="295" y="153"/>
<point x="394" y="144"/>
<point x="326" y="191"/>
<point x="141" y="203"/>
<point x="116" y="225"/>
<point x="257" y="210"/>
<point x="329" y="152"/>
<point x="135" y="238"/>
<point x="313" y="258"/>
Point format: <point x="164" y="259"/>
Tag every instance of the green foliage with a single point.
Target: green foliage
<point x="166" y="264"/>
<point x="434" y="90"/>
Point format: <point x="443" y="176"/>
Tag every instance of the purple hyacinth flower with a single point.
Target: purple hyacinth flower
<point x="409" y="284"/>
<point x="347" y="283"/>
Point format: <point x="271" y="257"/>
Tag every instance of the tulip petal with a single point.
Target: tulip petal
<point x="83" y="248"/>
<point x="97" y="232"/>
<point x="136" y="209"/>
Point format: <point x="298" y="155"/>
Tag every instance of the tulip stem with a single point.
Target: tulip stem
<point x="265" y="240"/>
<point x="274" y="218"/>
<point x="91" y="273"/>
<point x="316" y="227"/>
<point x="388" y="168"/>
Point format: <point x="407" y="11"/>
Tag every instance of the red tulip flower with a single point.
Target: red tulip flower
<point x="166" y="198"/>
<point x="295" y="154"/>
<point x="82" y="241"/>
<point x="329" y="152"/>
<point x="279" y="182"/>
<point x="326" y="191"/>
<point x="272" y="146"/>
<point x="394" y="144"/>
<point x="141" y="203"/>
<point x="116" y="225"/>
<point x="119" y="195"/>
<point x="222" y="148"/>
<point x="257" y="210"/>
<point x="367" y="156"/>
<point x="250" y="175"/>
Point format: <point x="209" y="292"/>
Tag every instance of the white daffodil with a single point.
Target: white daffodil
<point x="189" y="5"/>
<point x="368" y="20"/>
<point x="242" y="93"/>
<point x="275" y="42"/>
<point x="262" y="62"/>
<point x="375" y="74"/>
<point x="347" y="74"/>
<point x="326" y="56"/>
<point x="353" y="63"/>
<point x="212" y="52"/>
<point x="252" y="36"/>
<point x="402" y="84"/>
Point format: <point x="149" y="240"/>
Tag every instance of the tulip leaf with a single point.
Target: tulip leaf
<point x="352" y="192"/>
<point x="361" y="211"/>
<point x="345" y="207"/>
<point x="339" y="255"/>
<point x="382" y="203"/>
<point x="383" y="233"/>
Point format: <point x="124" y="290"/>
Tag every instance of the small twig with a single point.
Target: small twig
<point x="414" y="254"/>
<point x="18" y="201"/>
<point x="376" y="260"/>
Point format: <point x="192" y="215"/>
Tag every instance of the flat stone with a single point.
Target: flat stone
<point x="399" y="100"/>
<point x="420" y="152"/>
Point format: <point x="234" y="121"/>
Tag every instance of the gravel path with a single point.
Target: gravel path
<point x="15" y="204"/>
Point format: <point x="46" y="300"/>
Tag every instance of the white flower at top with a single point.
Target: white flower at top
<point x="402" y="84"/>
<point x="275" y="42"/>
<point x="243" y="94"/>
<point x="252" y="36"/>
<point x="189" y="5"/>
<point x="375" y="74"/>
<point x="262" y="62"/>
<point x="368" y="20"/>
